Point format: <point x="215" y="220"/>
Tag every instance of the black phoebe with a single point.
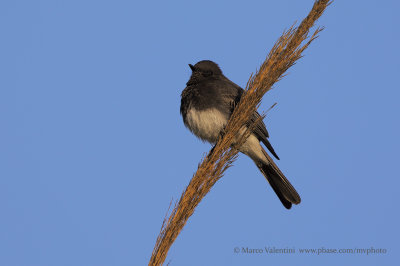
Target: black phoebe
<point x="207" y="103"/>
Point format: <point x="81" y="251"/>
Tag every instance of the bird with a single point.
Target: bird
<point x="208" y="101"/>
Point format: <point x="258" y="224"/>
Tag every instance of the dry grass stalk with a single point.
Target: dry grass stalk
<point x="286" y="51"/>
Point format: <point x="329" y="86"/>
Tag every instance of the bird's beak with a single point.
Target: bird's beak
<point x="191" y="67"/>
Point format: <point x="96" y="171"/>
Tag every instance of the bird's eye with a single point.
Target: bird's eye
<point x="207" y="73"/>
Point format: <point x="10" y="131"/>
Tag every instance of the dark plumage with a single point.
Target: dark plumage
<point x="207" y="103"/>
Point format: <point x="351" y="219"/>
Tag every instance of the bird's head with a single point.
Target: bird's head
<point x="204" y="70"/>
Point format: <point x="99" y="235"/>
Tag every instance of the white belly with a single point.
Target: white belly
<point x="206" y="124"/>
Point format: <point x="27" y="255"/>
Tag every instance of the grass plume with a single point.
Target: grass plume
<point x="284" y="54"/>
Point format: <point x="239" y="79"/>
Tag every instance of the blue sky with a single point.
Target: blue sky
<point x="93" y="148"/>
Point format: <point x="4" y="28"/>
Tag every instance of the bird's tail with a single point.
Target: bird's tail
<point x="279" y="183"/>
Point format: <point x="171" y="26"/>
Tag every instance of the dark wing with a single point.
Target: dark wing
<point x="260" y="130"/>
<point x="261" y="133"/>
